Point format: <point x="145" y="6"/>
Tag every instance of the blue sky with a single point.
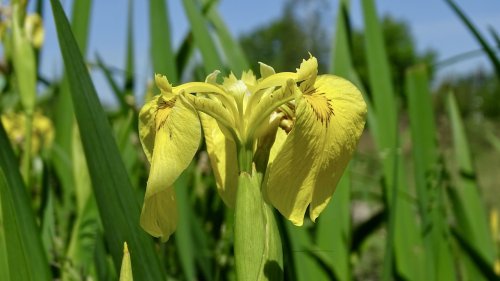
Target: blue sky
<point x="432" y="22"/>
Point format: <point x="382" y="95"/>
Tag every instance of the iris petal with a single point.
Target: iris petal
<point x="177" y="133"/>
<point x="329" y="121"/>
<point x="222" y="153"/>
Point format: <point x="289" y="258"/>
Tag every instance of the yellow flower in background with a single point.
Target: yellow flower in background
<point x="33" y="26"/>
<point x="42" y="134"/>
<point x="312" y="122"/>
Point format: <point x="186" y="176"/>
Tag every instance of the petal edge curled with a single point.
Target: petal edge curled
<point x="330" y="118"/>
<point x="172" y="145"/>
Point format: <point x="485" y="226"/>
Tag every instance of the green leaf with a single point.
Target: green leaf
<point x="471" y="217"/>
<point x="234" y="53"/>
<point x="119" y="93"/>
<point x="161" y="46"/>
<point x="334" y="230"/>
<point x="4" y="256"/>
<point x="201" y="35"/>
<point x="484" y="266"/>
<point x="183" y="235"/>
<point x="494" y="141"/>
<point x="114" y="194"/>
<point x="306" y="267"/>
<point x="367" y="228"/>
<point x="64" y="109"/>
<point x="64" y="115"/>
<point x="427" y="176"/>
<point x="25" y="254"/>
<point x="23" y="57"/>
<point x="403" y="231"/>
<point x="480" y="39"/>
<point x="128" y="87"/>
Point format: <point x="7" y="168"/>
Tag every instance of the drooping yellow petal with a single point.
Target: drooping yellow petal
<point x="176" y="133"/>
<point x="222" y="153"/>
<point x="329" y="121"/>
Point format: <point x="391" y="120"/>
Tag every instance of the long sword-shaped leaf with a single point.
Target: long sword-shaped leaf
<point x="234" y="53"/>
<point x="161" y="46"/>
<point x="306" y="267"/>
<point x="64" y="114"/>
<point x="403" y="236"/>
<point x="114" y="194"/>
<point x="425" y="159"/>
<point x="202" y="39"/>
<point x="479" y="37"/>
<point x="465" y="198"/>
<point x="64" y="111"/>
<point x="4" y="258"/>
<point x="129" y="84"/>
<point x="25" y="255"/>
<point x="184" y="235"/>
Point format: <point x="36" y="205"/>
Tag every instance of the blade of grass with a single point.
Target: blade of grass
<point x="483" y="265"/>
<point x="187" y="47"/>
<point x="64" y="116"/>
<point x="333" y="236"/>
<point x="48" y="229"/>
<point x="306" y="267"/>
<point x="117" y="91"/>
<point x="201" y="35"/>
<point x="465" y="198"/>
<point x="425" y="159"/>
<point x="403" y="236"/>
<point x="114" y="194"/>
<point x="183" y="235"/>
<point x="25" y="254"/>
<point x="64" y="112"/>
<point x="479" y="37"/>
<point x="4" y="257"/>
<point x="161" y="46"/>
<point x="494" y="141"/>
<point x="367" y="228"/>
<point x="80" y="251"/>
<point x="234" y="53"/>
<point x="128" y="87"/>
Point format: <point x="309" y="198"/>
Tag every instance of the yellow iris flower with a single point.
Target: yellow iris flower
<point x="42" y="131"/>
<point x="312" y="122"/>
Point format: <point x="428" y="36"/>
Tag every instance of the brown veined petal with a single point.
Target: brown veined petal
<point x="329" y="122"/>
<point x="222" y="153"/>
<point x="177" y="133"/>
<point x="147" y="128"/>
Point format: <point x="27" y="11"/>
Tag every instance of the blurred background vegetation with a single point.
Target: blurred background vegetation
<point x="418" y="202"/>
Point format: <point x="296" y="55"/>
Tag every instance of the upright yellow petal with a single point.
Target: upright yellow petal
<point x="330" y="118"/>
<point x="222" y="153"/>
<point x="176" y="131"/>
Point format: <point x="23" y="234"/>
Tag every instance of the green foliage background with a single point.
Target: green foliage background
<point x="410" y="206"/>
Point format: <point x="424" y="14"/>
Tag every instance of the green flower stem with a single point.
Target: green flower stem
<point x="245" y="157"/>
<point x="26" y="160"/>
<point x="257" y="243"/>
